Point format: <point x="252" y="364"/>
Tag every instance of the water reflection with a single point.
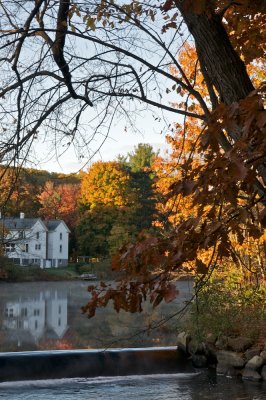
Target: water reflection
<point x="43" y="315"/>
<point x="40" y="315"/>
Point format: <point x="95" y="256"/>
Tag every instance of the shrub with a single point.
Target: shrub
<point x="225" y="306"/>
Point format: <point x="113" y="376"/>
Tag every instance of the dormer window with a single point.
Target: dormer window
<point x="21" y="234"/>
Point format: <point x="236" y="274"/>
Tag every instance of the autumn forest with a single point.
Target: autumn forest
<point x="198" y="209"/>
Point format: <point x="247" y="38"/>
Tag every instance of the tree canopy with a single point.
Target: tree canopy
<point x="96" y="59"/>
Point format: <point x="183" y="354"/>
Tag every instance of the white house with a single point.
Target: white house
<point x="32" y="241"/>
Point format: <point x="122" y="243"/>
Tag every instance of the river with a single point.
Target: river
<point x="47" y="315"/>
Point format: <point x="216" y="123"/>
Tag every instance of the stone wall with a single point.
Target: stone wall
<point x="239" y="356"/>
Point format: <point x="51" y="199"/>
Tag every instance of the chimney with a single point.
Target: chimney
<point x="22" y="215"/>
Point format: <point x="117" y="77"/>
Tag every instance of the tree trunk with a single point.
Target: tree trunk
<point x="223" y="64"/>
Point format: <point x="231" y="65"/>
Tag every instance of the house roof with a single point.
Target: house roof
<point x="28" y="223"/>
<point x="52" y="224"/>
<point x="19" y="223"/>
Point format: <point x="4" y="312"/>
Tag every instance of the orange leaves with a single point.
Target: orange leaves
<point x="105" y="183"/>
<point x="59" y="201"/>
<point x="245" y="23"/>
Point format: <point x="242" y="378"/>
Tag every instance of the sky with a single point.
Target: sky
<point x="119" y="142"/>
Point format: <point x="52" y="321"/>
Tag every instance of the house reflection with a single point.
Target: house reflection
<point x="42" y="316"/>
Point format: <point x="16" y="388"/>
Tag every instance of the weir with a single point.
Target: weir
<point x="59" y="364"/>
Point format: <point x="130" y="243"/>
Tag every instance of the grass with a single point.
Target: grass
<point x="14" y="273"/>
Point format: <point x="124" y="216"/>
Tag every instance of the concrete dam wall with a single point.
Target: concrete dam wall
<point x="91" y="363"/>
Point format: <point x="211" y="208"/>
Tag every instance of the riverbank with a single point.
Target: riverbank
<point x="15" y="274"/>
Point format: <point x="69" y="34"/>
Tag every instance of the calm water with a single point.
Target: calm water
<point x="47" y="315"/>
<point x="41" y="316"/>
<point x="150" y="387"/>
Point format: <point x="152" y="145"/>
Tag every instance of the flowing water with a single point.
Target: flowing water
<point x="144" y="387"/>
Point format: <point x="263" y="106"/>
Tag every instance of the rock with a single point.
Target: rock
<point x="263" y="373"/>
<point x="250" y="353"/>
<point x="230" y="358"/>
<point x="254" y="363"/>
<point x="227" y="370"/>
<point x="196" y="348"/>
<point x="222" y="368"/>
<point x="211" y="338"/>
<point x="233" y="372"/>
<point x="182" y="341"/>
<point x="222" y="343"/>
<point x="263" y="355"/>
<point x="199" y="360"/>
<point x="251" y="375"/>
<point x="239" y="343"/>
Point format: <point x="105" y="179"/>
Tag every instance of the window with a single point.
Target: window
<point x="60" y="248"/>
<point x="37" y="247"/>
<point x="21" y="235"/>
<point x="10" y="248"/>
<point x="36" y="312"/>
<point x="59" y="321"/>
<point x="9" y="312"/>
<point x="61" y="235"/>
<point x="19" y="324"/>
<point x="36" y="324"/>
<point x="25" y="248"/>
<point x="59" y="310"/>
<point x="37" y="235"/>
<point x="24" y="312"/>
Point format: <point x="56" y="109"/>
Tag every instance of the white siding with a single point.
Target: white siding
<point x="58" y="243"/>
<point x="37" y="246"/>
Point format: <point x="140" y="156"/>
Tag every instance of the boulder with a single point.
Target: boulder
<point x="263" y="355"/>
<point x="196" y="348"/>
<point x="239" y="344"/>
<point x="182" y="341"/>
<point x="250" y="353"/>
<point x="211" y="338"/>
<point x="230" y="358"/>
<point x="263" y="373"/>
<point x="227" y="370"/>
<point x="251" y="375"/>
<point x="222" y="368"/>
<point x="254" y="363"/>
<point x="199" y="360"/>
